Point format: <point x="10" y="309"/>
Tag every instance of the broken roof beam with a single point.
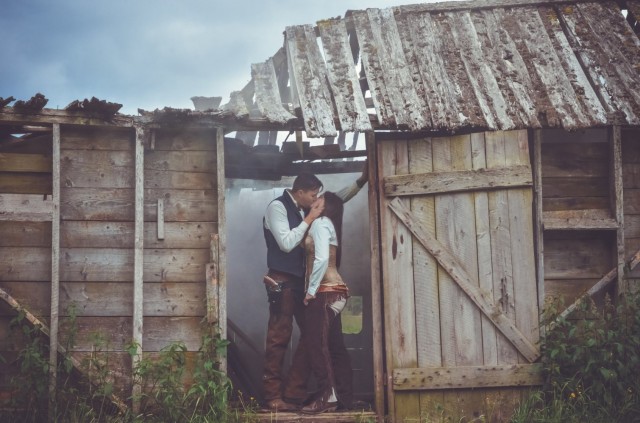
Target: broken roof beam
<point x="267" y="93"/>
<point x="343" y="79"/>
<point x="309" y="84"/>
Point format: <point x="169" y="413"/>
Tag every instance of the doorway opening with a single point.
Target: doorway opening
<point x="246" y="200"/>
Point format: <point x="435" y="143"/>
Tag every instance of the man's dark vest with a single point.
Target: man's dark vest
<point x="293" y="261"/>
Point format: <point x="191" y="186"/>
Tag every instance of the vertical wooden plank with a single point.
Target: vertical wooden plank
<point x="463" y="244"/>
<point x="55" y="271"/>
<point x="617" y="204"/>
<point x="212" y="291"/>
<point x="425" y="277"/>
<point x="222" y="241"/>
<point x="160" y="218"/>
<point x="398" y="285"/>
<point x="483" y="240"/>
<point x="522" y="250"/>
<point x="376" y="277"/>
<point x="138" y="255"/>
<point x="539" y="224"/>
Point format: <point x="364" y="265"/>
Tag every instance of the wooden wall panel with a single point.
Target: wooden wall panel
<point x="193" y="140"/>
<point x="100" y="234"/>
<point x="116" y="265"/>
<point x="25" y="264"/>
<point x="159" y="332"/>
<point x="117" y="204"/>
<point x="160" y="299"/>
<point x="25" y="234"/>
<point x="97" y="138"/>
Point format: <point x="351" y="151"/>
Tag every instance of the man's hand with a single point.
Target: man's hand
<point x="315" y="211"/>
<point x="364" y="177"/>
<point x="308" y="298"/>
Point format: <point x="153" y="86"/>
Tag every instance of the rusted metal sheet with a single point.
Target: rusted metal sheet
<point x="267" y="92"/>
<point x="310" y="80"/>
<point x="373" y="68"/>
<point x="610" y="50"/>
<point x="425" y="50"/>
<point x="408" y="108"/>
<point x="349" y="99"/>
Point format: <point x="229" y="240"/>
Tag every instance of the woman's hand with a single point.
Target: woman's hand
<point x="308" y="298"/>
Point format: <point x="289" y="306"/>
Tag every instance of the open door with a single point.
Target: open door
<point x="458" y="273"/>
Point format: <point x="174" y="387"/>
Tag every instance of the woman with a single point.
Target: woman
<point x="326" y="296"/>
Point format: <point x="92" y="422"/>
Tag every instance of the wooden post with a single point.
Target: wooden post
<point x="55" y="272"/>
<point x="212" y="292"/>
<point x="617" y="205"/>
<point x="138" y="266"/>
<point x="222" y="243"/>
<point x="376" y="278"/>
<point x="538" y="222"/>
<point x="160" y="218"/>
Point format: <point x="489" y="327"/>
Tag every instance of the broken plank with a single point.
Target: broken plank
<point x="455" y="181"/>
<point x="345" y="86"/>
<point x="267" y="92"/>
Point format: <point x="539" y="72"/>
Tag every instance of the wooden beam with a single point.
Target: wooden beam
<point x="597" y="287"/>
<point x="594" y="219"/>
<point x="538" y="217"/>
<point x="457" y="271"/>
<point x="467" y="377"/>
<point x="377" y="306"/>
<point x="138" y="266"/>
<point x="616" y="193"/>
<point x="51" y="116"/>
<point x="222" y="242"/>
<point x="456" y="181"/>
<point x="212" y="289"/>
<point x="55" y="272"/>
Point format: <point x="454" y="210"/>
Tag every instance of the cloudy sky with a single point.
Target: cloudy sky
<point x="146" y="53"/>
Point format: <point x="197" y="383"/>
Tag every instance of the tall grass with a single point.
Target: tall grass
<point x="591" y="365"/>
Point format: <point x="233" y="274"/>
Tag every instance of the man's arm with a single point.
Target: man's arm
<point x="277" y="222"/>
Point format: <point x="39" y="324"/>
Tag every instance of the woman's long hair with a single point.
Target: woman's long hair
<point x="333" y="209"/>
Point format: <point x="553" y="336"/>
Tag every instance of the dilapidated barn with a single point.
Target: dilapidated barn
<point x="502" y="139"/>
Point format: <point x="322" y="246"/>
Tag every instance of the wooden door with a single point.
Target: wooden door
<point x="458" y="270"/>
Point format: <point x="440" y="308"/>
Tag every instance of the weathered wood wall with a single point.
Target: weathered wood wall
<point x="97" y="241"/>
<point x="631" y="184"/>
<point x="579" y="235"/>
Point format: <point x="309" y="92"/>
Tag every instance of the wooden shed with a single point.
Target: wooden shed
<point x="503" y="144"/>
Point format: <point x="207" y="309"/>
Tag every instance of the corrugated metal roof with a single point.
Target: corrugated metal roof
<point x="488" y="64"/>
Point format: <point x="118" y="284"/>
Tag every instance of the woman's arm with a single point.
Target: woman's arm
<point x="320" y="231"/>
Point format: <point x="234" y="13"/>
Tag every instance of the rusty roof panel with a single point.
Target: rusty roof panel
<point x="454" y="66"/>
<point x="349" y="99"/>
<point x="610" y="51"/>
<point x="310" y="80"/>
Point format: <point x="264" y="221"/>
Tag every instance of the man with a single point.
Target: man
<point x="285" y="225"/>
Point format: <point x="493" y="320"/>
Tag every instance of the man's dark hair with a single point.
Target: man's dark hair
<point x="306" y="182"/>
